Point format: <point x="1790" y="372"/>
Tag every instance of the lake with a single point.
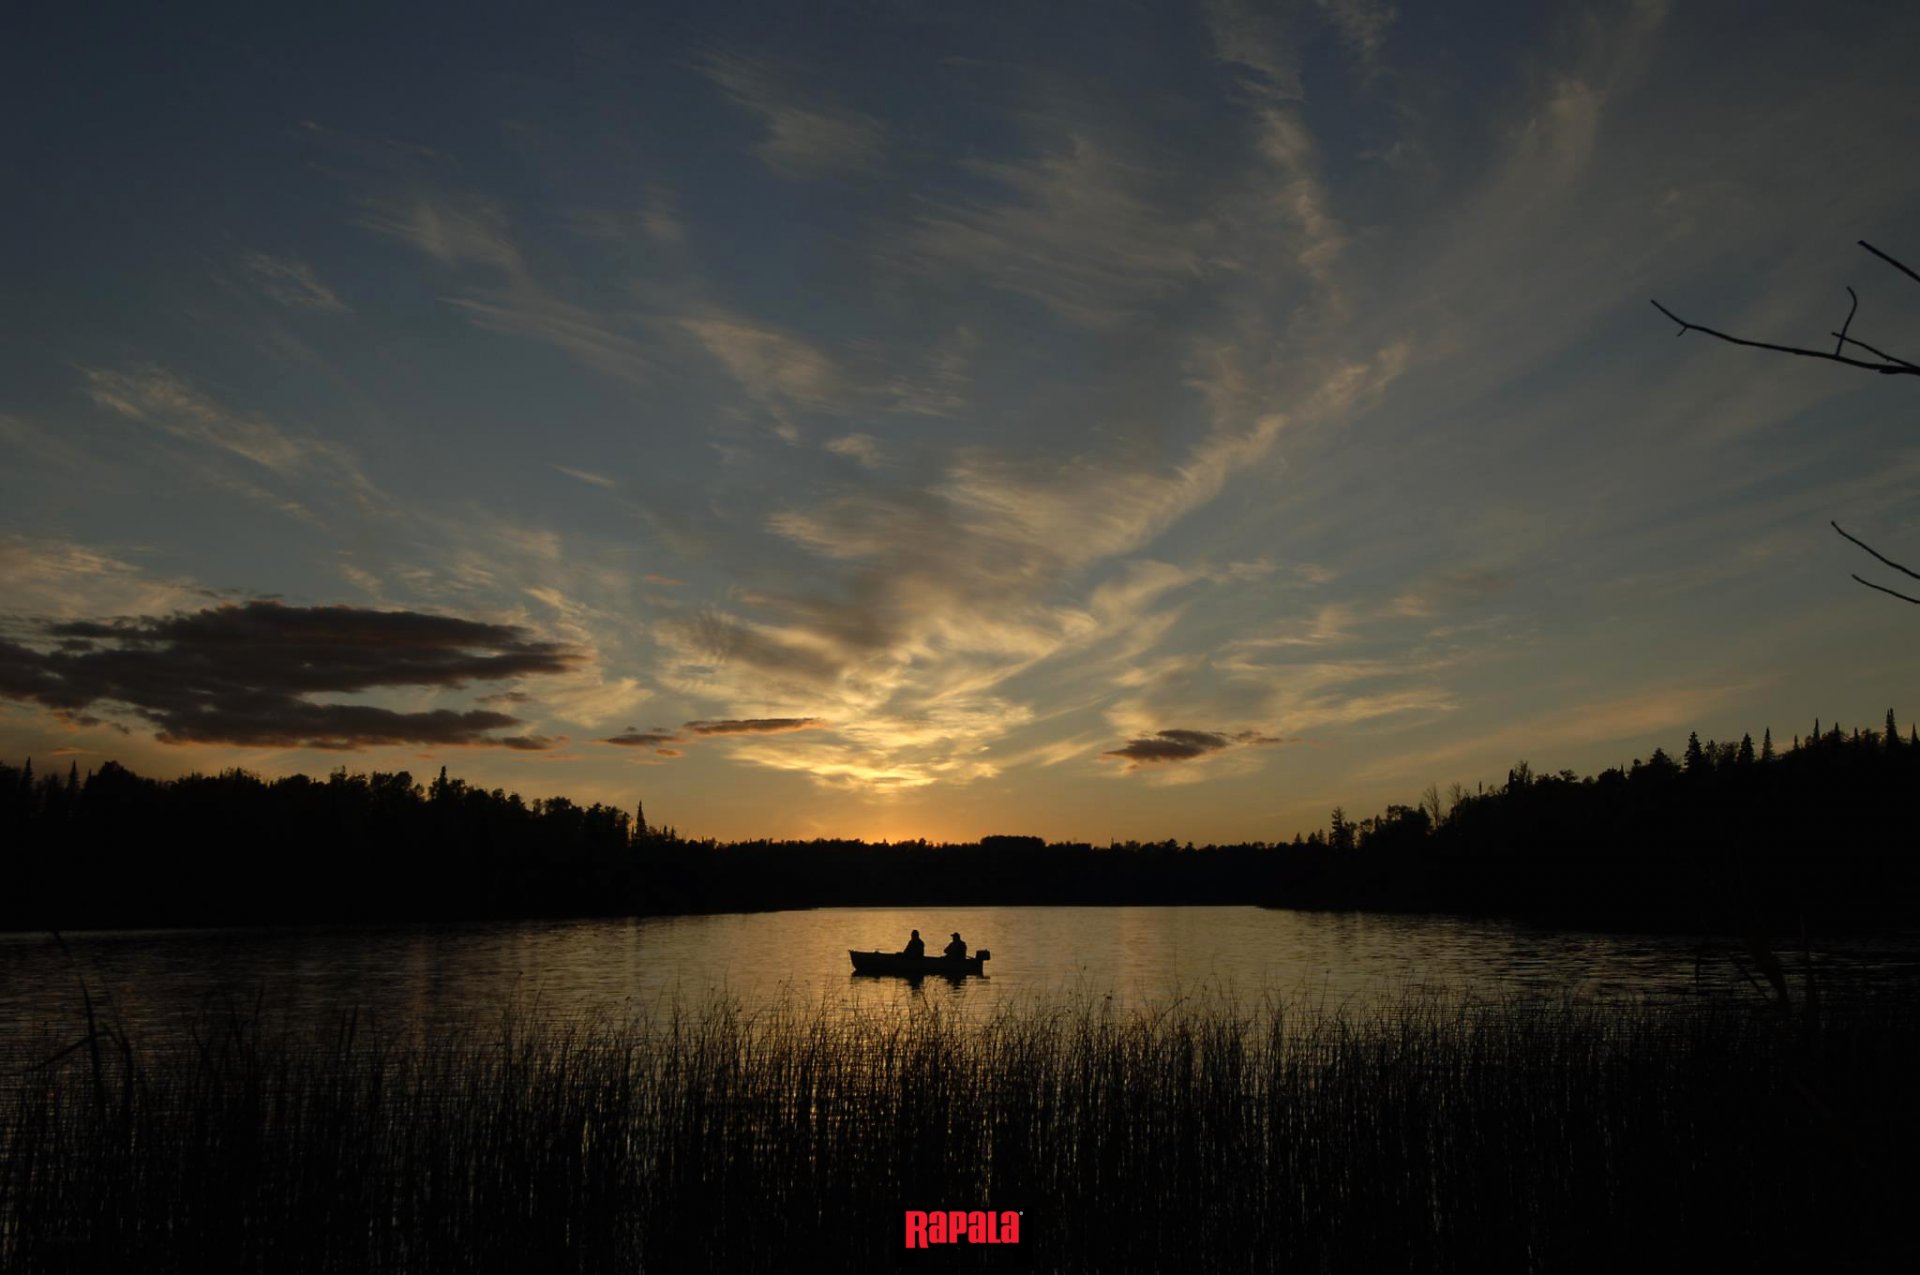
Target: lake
<point x="435" y="977"/>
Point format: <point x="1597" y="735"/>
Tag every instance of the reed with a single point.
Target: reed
<point x="1208" y="1134"/>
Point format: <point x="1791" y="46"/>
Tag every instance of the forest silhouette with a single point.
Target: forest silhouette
<point x="1729" y="835"/>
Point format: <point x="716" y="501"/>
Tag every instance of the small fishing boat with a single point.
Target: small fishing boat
<point x="918" y="966"/>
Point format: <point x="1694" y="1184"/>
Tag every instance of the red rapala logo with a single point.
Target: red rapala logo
<point x="958" y="1226"/>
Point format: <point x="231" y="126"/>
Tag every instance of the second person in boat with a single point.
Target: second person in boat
<point x="957" y="948"/>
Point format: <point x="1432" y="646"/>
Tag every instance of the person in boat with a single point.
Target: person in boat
<point x="957" y="948"/>
<point x="914" y="947"/>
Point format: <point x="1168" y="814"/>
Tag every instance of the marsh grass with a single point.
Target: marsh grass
<point x="1209" y="1134"/>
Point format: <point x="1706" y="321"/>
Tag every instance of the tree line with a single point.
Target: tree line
<point x="1727" y="834"/>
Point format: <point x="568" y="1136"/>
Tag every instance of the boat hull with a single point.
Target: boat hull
<point x="918" y="966"/>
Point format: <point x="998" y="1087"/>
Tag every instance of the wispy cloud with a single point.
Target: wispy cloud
<point x="592" y="338"/>
<point x="806" y="136"/>
<point x="453" y="230"/>
<point x="48" y="578"/>
<point x="157" y="397"/>
<point x="779" y="371"/>
<point x="588" y="476"/>
<point x="292" y="283"/>
<point x="1088" y="233"/>
<point x="860" y="447"/>
<point x="1363" y="26"/>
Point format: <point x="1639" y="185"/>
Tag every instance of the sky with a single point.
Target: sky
<point x="890" y="420"/>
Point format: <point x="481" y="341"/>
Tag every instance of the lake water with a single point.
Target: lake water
<point x="440" y="976"/>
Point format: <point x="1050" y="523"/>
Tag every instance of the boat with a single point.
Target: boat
<point x="919" y="966"/>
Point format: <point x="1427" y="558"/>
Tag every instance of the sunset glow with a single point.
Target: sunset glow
<point x="1099" y="423"/>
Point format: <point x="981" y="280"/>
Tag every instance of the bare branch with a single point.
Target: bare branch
<point x="1894" y="368"/>
<point x="1876" y="553"/>
<point x="1851" y="311"/>
<point x="1897" y="265"/>
<point x="1884" y="589"/>
<point x="1891" y="358"/>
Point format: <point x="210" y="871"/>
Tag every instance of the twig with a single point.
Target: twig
<point x="1686" y="327"/>
<point x="1851" y="311"/>
<point x="1908" y="571"/>
<point x="1897" y="265"/>
<point x="1895" y="592"/>
<point x="1891" y="358"/>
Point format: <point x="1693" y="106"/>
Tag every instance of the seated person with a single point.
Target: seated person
<point x="957" y="948"/>
<point x="914" y="946"/>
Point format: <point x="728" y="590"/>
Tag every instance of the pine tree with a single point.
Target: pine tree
<point x="1340" y="835"/>
<point x="1893" y="731"/>
<point x="1745" y="755"/>
<point x="1766" y="745"/>
<point x="1695" y="760"/>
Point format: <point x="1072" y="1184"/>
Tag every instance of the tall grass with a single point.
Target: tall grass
<point x="1210" y="1134"/>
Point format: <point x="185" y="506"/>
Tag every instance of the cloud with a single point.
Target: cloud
<point x="1177" y="745"/>
<point x="1290" y="183"/>
<point x="588" y="476"/>
<point x="805" y="138"/>
<point x="155" y="396"/>
<point x="755" y="725"/>
<point x="1451" y="589"/>
<point x="291" y="283"/>
<point x="1255" y="38"/>
<point x="1362" y="25"/>
<point x="244" y="674"/>
<point x="64" y="580"/>
<point x="860" y="447"/>
<point x="631" y="738"/>
<point x="940" y="385"/>
<point x="780" y="372"/>
<point x="589" y="338"/>
<point x="453" y="230"/>
<point x="1087" y="232"/>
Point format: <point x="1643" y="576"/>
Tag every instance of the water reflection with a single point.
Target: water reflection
<point x="438" y="977"/>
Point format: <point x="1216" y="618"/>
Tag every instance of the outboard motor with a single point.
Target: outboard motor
<point x="984" y="954"/>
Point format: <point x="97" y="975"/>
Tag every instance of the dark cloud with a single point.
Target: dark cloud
<point x="1171" y="745"/>
<point x="755" y="725"/>
<point x="1185" y="745"/>
<point x="242" y="674"/>
<point x="631" y="738"/>
<point x="723" y="640"/>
